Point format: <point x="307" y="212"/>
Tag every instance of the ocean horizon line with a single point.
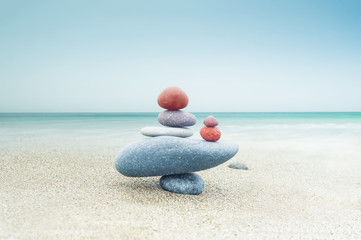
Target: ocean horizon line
<point x="135" y="112"/>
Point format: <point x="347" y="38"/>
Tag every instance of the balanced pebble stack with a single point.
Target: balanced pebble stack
<point x="209" y="132"/>
<point x="170" y="153"/>
<point x="175" y="120"/>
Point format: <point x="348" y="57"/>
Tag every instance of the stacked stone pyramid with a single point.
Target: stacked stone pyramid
<point x="170" y="153"/>
<point x="175" y="120"/>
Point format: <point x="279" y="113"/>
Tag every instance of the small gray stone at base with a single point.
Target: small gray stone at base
<point x="238" y="165"/>
<point x="186" y="183"/>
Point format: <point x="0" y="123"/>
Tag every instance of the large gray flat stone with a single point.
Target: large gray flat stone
<point x="166" y="155"/>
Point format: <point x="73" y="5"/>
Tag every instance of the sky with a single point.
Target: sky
<point x="117" y="56"/>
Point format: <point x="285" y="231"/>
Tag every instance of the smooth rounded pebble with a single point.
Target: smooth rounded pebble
<point x="211" y="134"/>
<point x="173" y="98"/>
<point x="166" y="131"/>
<point x="187" y="183"/>
<point x="176" y="118"/>
<point x="166" y="155"/>
<point x="238" y="165"/>
<point x="210" y="121"/>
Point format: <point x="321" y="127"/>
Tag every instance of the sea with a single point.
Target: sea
<point x="114" y="130"/>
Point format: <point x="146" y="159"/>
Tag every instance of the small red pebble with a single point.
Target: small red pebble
<point x="210" y="134"/>
<point x="173" y="98"/>
<point x="210" y="121"/>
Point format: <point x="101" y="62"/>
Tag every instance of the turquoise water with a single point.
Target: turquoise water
<point x="123" y="128"/>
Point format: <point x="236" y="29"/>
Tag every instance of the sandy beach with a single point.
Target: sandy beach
<point x="81" y="80"/>
<point x="292" y="190"/>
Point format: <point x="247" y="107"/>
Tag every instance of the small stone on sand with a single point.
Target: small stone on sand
<point x="238" y="165"/>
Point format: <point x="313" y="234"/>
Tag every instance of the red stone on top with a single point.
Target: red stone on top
<point x="173" y="98"/>
<point x="210" y="121"/>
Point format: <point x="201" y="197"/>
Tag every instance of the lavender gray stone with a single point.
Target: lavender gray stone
<point x="167" y="155"/>
<point x="176" y="118"/>
<point x="238" y="165"/>
<point x="186" y="183"/>
<point x="166" y="131"/>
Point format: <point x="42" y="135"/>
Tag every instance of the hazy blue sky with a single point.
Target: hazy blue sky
<point x="227" y="55"/>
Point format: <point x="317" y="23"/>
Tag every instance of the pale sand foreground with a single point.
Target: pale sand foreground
<point x="293" y="190"/>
